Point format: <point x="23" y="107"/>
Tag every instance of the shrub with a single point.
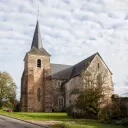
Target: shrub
<point x="60" y="126"/>
<point x="8" y="104"/>
<point x="69" y="111"/>
<point x="72" y="113"/>
<point x="123" y="122"/>
<point x="78" y="113"/>
<point x="63" y="126"/>
<point x="110" y="112"/>
<point x="17" y="108"/>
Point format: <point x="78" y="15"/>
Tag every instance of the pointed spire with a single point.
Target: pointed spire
<point x="37" y="41"/>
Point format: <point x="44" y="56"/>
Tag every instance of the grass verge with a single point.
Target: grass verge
<point x="67" y="122"/>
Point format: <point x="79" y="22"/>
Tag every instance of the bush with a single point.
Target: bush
<point x="77" y="113"/>
<point x="123" y="122"/>
<point x="63" y="126"/>
<point x="110" y="112"/>
<point x="17" y="108"/>
<point x="8" y="104"/>
<point x="123" y="109"/>
<point x="60" y="126"/>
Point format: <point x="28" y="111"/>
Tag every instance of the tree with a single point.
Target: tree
<point x="90" y="98"/>
<point x="7" y="88"/>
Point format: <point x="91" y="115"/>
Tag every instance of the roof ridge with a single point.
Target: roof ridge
<point x="74" y="69"/>
<point x="87" y="58"/>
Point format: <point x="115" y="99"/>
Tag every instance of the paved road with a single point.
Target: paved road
<point x="6" y="122"/>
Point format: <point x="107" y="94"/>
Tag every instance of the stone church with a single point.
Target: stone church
<point x="47" y="87"/>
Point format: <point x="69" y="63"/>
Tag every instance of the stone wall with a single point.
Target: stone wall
<point x="74" y="84"/>
<point x="35" y="80"/>
<point x="35" y="77"/>
<point x="24" y="92"/>
<point x="77" y="83"/>
<point x="107" y="77"/>
<point x="48" y="95"/>
<point x="58" y="90"/>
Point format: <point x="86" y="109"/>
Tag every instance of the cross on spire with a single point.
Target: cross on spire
<point x="38" y="13"/>
<point x="37" y="41"/>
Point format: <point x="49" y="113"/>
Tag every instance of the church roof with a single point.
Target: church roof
<point x="58" y="67"/>
<point x="37" y="47"/>
<point x="37" y="41"/>
<point x="76" y="69"/>
<point x="40" y="51"/>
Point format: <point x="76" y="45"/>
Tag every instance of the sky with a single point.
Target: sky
<point x="71" y="31"/>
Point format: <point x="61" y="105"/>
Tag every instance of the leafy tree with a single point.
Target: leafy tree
<point x="90" y="98"/>
<point x="7" y="88"/>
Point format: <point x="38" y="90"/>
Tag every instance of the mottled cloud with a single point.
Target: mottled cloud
<point x="71" y="31"/>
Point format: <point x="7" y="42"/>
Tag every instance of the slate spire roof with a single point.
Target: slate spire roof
<point x="37" y="47"/>
<point x="37" y="41"/>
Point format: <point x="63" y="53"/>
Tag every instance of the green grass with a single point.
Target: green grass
<point x="37" y="115"/>
<point x="67" y="121"/>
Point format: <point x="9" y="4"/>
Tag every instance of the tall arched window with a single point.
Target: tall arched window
<point x="38" y="63"/>
<point x="61" y="101"/>
<point x="38" y="94"/>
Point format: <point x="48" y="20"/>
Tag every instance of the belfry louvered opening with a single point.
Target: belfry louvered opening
<point x="39" y="63"/>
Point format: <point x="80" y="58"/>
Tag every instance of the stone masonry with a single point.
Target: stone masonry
<point x="46" y="87"/>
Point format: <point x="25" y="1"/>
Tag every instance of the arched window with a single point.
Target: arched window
<point x="38" y="94"/>
<point x="38" y="63"/>
<point x="61" y="101"/>
<point x="59" y="83"/>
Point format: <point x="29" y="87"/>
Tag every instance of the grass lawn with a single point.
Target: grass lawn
<point x="69" y="122"/>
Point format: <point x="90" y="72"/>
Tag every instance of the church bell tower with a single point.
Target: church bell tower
<point x="33" y="81"/>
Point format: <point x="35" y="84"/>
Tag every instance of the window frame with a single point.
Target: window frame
<point x="60" y="101"/>
<point x="38" y="64"/>
<point x="98" y="65"/>
<point x="59" y="83"/>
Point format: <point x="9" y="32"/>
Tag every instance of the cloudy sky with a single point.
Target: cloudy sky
<point x="71" y="31"/>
